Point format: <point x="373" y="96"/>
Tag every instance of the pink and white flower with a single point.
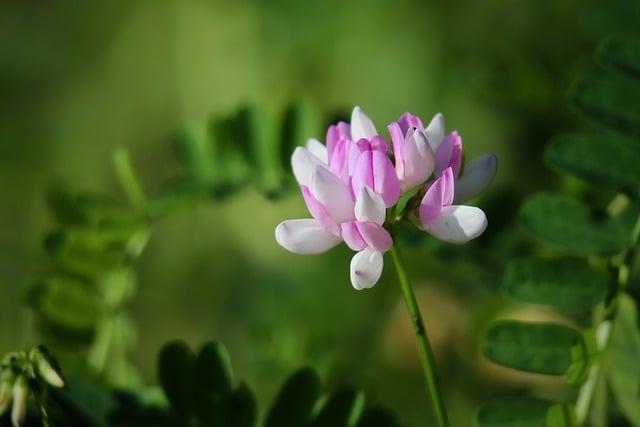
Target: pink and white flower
<point x="349" y="183"/>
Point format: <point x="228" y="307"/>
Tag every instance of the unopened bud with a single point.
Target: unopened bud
<point x="20" y="399"/>
<point x="6" y="389"/>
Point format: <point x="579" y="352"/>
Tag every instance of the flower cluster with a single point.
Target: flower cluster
<point x="349" y="183"/>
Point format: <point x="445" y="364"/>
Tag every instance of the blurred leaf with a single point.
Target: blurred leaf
<point x="377" y="416"/>
<point x="297" y="128"/>
<point x="561" y="415"/>
<point x="194" y="150"/>
<point x="568" y="225"/>
<point x="66" y="303"/>
<point x="343" y="409"/>
<point x="566" y="284"/>
<point x="295" y="401"/>
<point x="622" y="359"/>
<point x="243" y="408"/>
<point x="609" y="100"/>
<point x="175" y="371"/>
<point x="212" y="383"/>
<point x="513" y="412"/>
<point x="544" y="348"/>
<point x="583" y="355"/>
<point x="621" y="54"/>
<point x="602" y="159"/>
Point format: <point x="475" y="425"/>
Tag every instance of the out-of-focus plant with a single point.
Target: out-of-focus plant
<point x="25" y="375"/>
<point x="588" y="264"/>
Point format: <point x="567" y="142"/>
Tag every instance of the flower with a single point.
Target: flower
<point x="445" y="221"/>
<point x="349" y="182"/>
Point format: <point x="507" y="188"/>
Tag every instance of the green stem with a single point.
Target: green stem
<point x="128" y="179"/>
<point x="426" y="354"/>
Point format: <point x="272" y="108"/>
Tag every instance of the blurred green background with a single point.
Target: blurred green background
<point x="79" y="78"/>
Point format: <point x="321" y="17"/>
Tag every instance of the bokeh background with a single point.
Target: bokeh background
<point x="79" y="78"/>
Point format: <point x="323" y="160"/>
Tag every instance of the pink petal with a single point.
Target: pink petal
<point x="361" y="125"/>
<point x="449" y="186"/>
<point x="319" y="212"/>
<point x="336" y="133"/>
<point x="363" y="172"/>
<point x="366" y="268"/>
<point x="375" y="236"/>
<point x="333" y="193"/>
<point x="458" y="224"/>
<point x="449" y="154"/>
<point x="407" y="121"/>
<point x="385" y="181"/>
<point x="397" y="141"/>
<point x="305" y="236"/>
<point x="439" y="194"/>
<point x="370" y="206"/>
<point x="352" y="236"/>
<point x="435" y="131"/>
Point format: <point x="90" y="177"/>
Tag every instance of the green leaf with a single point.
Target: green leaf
<point x="297" y="128"/>
<point x="295" y="401"/>
<point x="343" y="409"/>
<point x="583" y="355"/>
<point x="377" y="416"/>
<point x="544" y="348"/>
<point x="175" y="371"/>
<point x="243" y="408"/>
<point x="568" y="225"/>
<point x="567" y="284"/>
<point x="513" y="412"/>
<point x="194" y="149"/>
<point x="622" y="360"/>
<point x="561" y="415"/>
<point x="67" y="304"/>
<point x="621" y="54"/>
<point x="602" y="159"/>
<point x="212" y="383"/>
<point x="609" y="100"/>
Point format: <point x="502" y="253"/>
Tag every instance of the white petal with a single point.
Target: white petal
<point x="361" y="125"/>
<point x="366" y="268"/>
<point x="370" y="206"/>
<point x="435" y="131"/>
<point x="305" y="236"/>
<point x="477" y="176"/>
<point x="318" y="149"/>
<point x="333" y="193"/>
<point x="458" y="224"/>
<point x="303" y="163"/>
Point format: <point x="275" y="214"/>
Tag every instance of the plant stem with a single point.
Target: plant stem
<point x="426" y="354"/>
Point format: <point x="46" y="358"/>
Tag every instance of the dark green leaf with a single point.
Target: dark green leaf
<point x="213" y="383"/>
<point x="567" y="284"/>
<point x="544" y="348"/>
<point x="297" y="128"/>
<point x="67" y="304"/>
<point x="377" y="416"/>
<point x="622" y="360"/>
<point x="343" y="409"/>
<point x="243" y="408"/>
<point x="175" y="371"/>
<point x="621" y="54"/>
<point x="610" y="100"/>
<point x="513" y="412"/>
<point x="602" y="159"/>
<point x="194" y="150"/>
<point x="295" y="401"/>
<point x="568" y="225"/>
<point x="583" y="355"/>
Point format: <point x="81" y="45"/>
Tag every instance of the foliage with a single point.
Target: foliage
<point x="589" y="259"/>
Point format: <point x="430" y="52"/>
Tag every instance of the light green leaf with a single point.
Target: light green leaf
<point x="513" y="412"/>
<point x="295" y="401"/>
<point x="567" y="284"/>
<point x="568" y="225"/>
<point x="622" y="360"/>
<point x="621" y="54"/>
<point x="583" y="355"/>
<point x="602" y="159"/>
<point x="561" y="415"/>
<point x="544" y="348"/>
<point x="67" y="303"/>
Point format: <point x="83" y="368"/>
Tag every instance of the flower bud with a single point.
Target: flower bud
<point x="20" y="399"/>
<point x="6" y="386"/>
<point x="47" y="367"/>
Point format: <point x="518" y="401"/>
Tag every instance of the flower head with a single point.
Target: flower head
<point x="349" y="182"/>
